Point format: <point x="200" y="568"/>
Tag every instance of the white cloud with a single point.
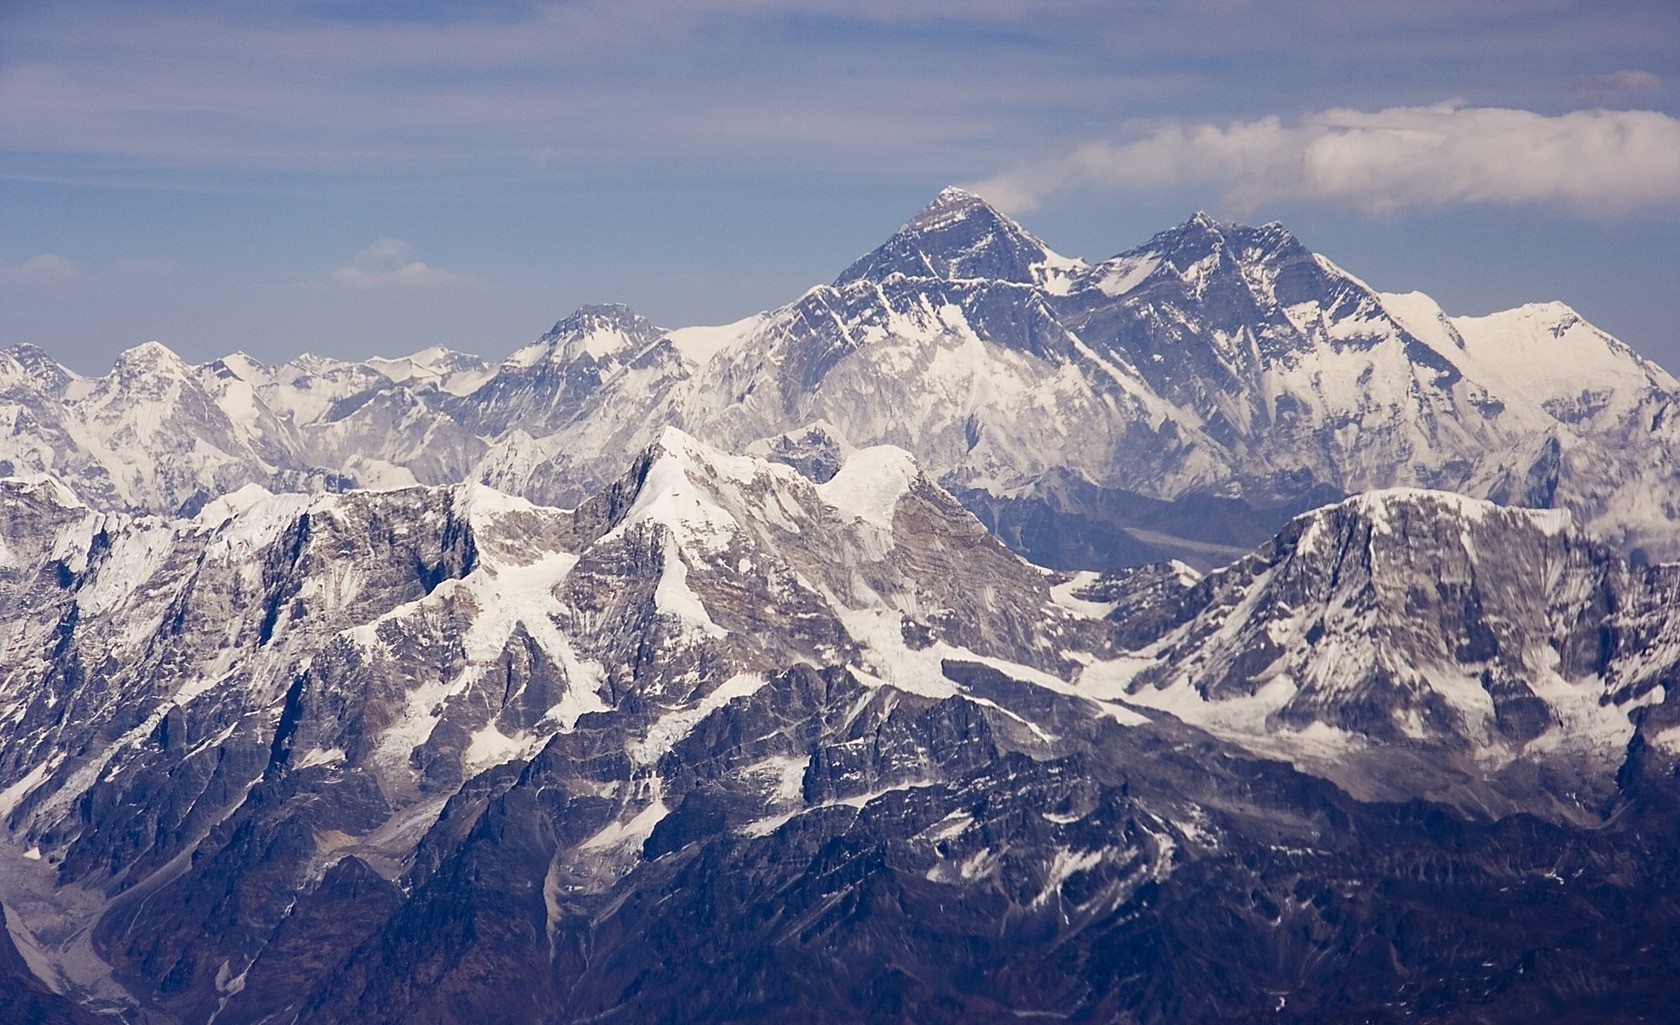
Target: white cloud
<point x="1589" y="161"/>
<point x="384" y="263"/>
<point x="1618" y="82"/>
<point x="45" y="269"/>
<point x="384" y="251"/>
<point x="413" y="274"/>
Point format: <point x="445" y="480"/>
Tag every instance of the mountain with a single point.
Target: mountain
<point x="959" y="236"/>
<point x="1411" y="621"/>
<point x="732" y="741"/>
<point x="826" y="666"/>
<point x="1184" y="398"/>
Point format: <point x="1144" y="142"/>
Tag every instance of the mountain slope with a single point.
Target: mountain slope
<point x="1478" y="638"/>
<point x="730" y="742"/>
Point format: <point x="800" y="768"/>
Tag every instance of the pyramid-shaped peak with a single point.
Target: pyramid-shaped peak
<point x="601" y="316"/>
<point x="30" y="363"/>
<point x="959" y="236"/>
<point x="243" y="358"/>
<point x="26" y="352"/>
<point x="599" y="331"/>
<point x="1201" y="228"/>
<point x="952" y="204"/>
<point x="957" y="194"/>
<point x="151" y="355"/>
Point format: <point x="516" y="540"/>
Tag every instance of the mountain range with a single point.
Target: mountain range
<point x="828" y="666"/>
<point x="1182" y="399"/>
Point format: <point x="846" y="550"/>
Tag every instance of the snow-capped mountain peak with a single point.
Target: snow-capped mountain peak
<point x="457" y="373"/>
<point x="602" y="332"/>
<point x="1215" y="358"/>
<point x="1415" y="618"/>
<point x="953" y="204"/>
<point x="959" y="236"/>
<point x="30" y="367"/>
<point x="150" y="357"/>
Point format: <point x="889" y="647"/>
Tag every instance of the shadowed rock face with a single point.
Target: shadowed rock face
<point x="733" y="742"/>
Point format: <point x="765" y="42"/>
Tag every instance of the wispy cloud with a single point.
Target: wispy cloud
<point x="410" y="275"/>
<point x="1589" y="161"/>
<point x="384" y="250"/>
<point x="384" y="263"/>
<point x="546" y="91"/>
<point x="45" y="269"/>
<point x="1617" y="82"/>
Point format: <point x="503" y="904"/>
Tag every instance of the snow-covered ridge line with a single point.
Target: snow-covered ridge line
<point x="1214" y="360"/>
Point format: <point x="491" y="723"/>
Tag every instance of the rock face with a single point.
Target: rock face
<point x="792" y="736"/>
<point x="1184" y="398"/>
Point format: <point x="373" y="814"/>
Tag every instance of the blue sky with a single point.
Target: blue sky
<point x="356" y="177"/>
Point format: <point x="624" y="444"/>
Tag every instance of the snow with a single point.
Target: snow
<point x="889" y="660"/>
<point x="1120" y="275"/>
<point x="1108" y="679"/>
<point x="1424" y="319"/>
<point x="870" y="483"/>
<point x="1248" y="719"/>
<point x="1668" y="740"/>
<point x="134" y="557"/>
<point x="598" y="332"/>
<point x="673" y="597"/>
<point x="149" y="354"/>
<point x="697" y="345"/>
<point x="626" y="835"/>
<point x="490" y="746"/>
<point x="13" y="795"/>
<point x="675" y="725"/>
<point x="304" y="390"/>
<point x="373" y="474"/>
<point x="669" y="496"/>
<point x="949" y="827"/>
<point x="57" y="492"/>
<point x="601" y="345"/>
<point x="952" y="205"/>
<point x="1351" y="375"/>
<point x="1547" y="350"/>
<point x="223" y="508"/>
<point x="1540" y="356"/>
<point x="509" y="597"/>
<point x="786" y="773"/>
<point x="769" y="824"/>
<point x="74" y="540"/>
<point x="1379" y="508"/>
<point x="321" y="756"/>
<point x="482" y="503"/>
<point x="1063" y="595"/>
<point x="1064" y="864"/>
<point x="528" y="355"/>
<point x="500" y="596"/>
<point x="449" y="371"/>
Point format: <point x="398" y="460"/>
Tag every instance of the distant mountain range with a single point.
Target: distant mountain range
<point x="1183" y="398"/>
<point x="698" y="676"/>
